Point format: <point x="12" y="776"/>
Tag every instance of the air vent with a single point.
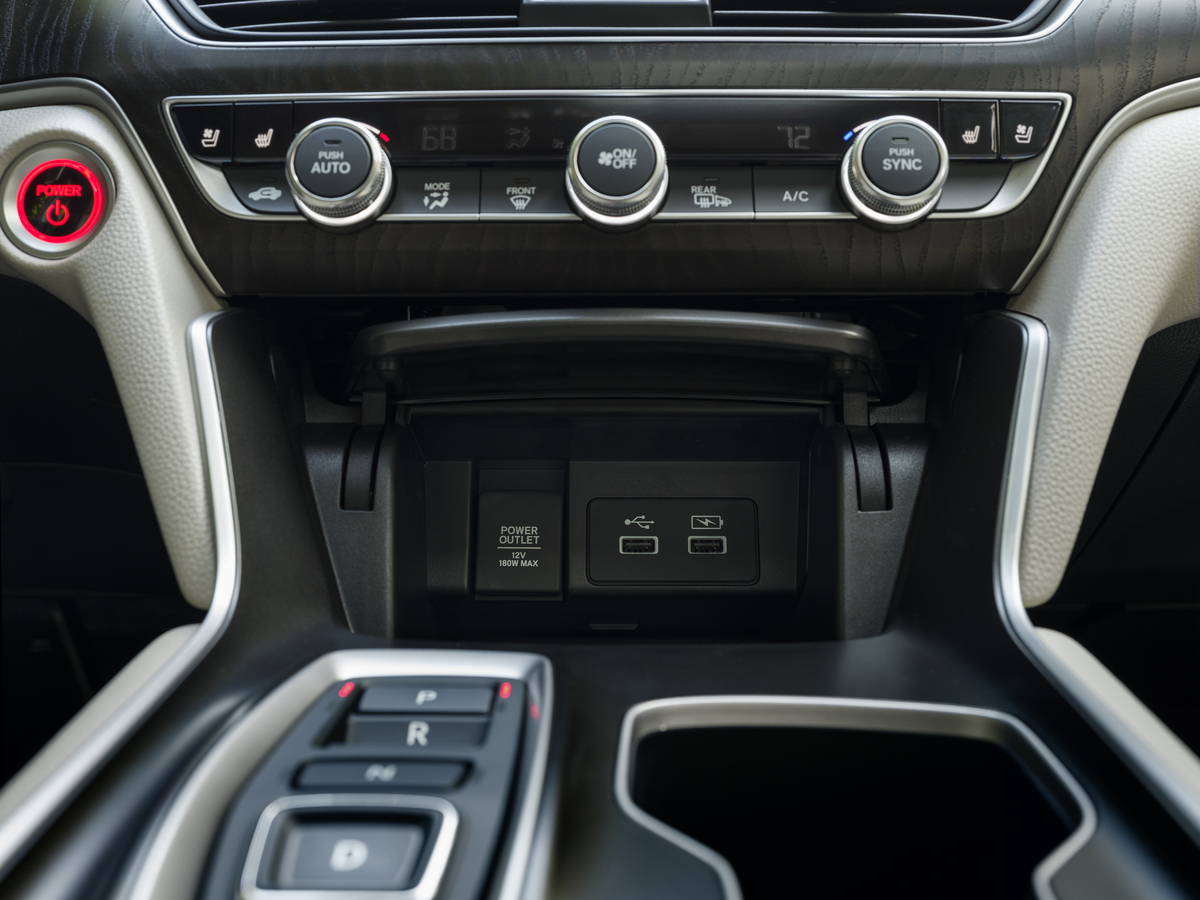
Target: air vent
<point x="349" y="17"/>
<point x="342" y="20"/>
<point x="858" y="16"/>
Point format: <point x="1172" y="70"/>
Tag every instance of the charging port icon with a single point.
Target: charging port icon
<point x="707" y="544"/>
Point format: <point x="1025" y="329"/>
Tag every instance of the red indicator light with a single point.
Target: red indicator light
<point x="383" y="137"/>
<point x="346" y="689"/>
<point x="534" y="712"/>
<point x="505" y="691"/>
<point x="78" y="197"/>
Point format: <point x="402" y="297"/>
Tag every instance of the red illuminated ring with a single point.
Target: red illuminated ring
<point x="97" y="205"/>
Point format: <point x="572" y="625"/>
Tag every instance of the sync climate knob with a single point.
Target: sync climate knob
<point x="339" y="174"/>
<point x="893" y="173"/>
<point x="617" y="173"/>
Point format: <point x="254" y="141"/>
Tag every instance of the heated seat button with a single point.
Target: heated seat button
<point x="60" y="201"/>
<point x="1026" y="126"/>
<point x="206" y="130"/>
<point x="261" y="131"/>
<point x="969" y="128"/>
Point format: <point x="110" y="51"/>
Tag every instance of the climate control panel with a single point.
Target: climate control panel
<point x="619" y="159"/>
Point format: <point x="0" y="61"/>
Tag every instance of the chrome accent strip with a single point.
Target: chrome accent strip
<point x="172" y="20"/>
<point x="172" y="864"/>
<point x="425" y="889"/>
<point x="1181" y="95"/>
<point x="1174" y="794"/>
<point x="1022" y="177"/>
<point x="35" y="813"/>
<point x="81" y="92"/>
<point x="854" y="714"/>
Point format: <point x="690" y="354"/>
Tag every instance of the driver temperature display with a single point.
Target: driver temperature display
<point x="695" y="129"/>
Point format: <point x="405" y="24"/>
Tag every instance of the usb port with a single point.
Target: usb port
<point x="639" y="544"/>
<point x="707" y="544"/>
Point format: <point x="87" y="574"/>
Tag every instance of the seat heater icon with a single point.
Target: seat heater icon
<point x="971" y="135"/>
<point x="707" y="523"/>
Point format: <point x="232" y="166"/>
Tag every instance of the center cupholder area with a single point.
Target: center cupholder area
<point x="852" y="801"/>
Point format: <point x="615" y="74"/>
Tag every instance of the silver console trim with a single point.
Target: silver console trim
<point x="1022" y="177"/>
<point x="425" y="889"/>
<point x="172" y="864"/>
<point x="1174" y="794"/>
<point x="1052" y="24"/>
<point x="854" y="714"/>
<point x="35" y="813"/>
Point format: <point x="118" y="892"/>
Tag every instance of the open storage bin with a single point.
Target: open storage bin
<point x="852" y="798"/>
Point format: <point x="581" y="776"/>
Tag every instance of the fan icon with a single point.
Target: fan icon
<point x="606" y="158"/>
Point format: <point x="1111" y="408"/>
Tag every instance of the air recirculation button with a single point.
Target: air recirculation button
<point x="339" y="174"/>
<point x="893" y="173"/>
<point x="617" y="173"/>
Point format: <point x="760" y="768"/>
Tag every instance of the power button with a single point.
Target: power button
<point x="55" y="198"/>
<point x="61" y="200"/>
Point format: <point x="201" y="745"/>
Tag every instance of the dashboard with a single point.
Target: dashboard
<point x="579" y="434"/>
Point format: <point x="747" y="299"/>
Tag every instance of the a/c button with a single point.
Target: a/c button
<point x="786" y="191"/>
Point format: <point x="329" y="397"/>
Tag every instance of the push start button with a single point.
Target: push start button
<point x="60" y="201"/>
<point x="55" y="198"/>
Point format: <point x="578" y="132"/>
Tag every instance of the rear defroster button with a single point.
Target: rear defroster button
<point x="55" y="197"/>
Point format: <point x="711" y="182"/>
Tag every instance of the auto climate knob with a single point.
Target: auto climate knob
<point x="339" y="174"/>
<point x="893" y="173"/>
<point x="617" y="173"/>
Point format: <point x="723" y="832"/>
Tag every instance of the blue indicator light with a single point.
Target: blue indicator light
<point x="847" y="135"/>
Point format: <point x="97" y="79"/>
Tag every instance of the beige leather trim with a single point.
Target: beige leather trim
<point x="1126" y="264"/>
<point x="136" y="286"/>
